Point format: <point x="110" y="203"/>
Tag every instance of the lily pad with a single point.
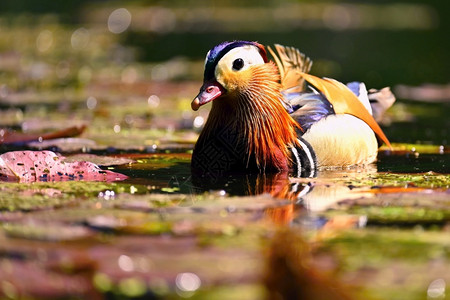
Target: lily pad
<point x="104" y="161"/>
<point x="65" y="144"/>
<point x="33" y="199"/>
<point x="410" y="209"/>
<point x="46" y="231"/>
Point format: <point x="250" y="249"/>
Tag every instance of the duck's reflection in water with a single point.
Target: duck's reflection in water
<point x="307" y="195"/>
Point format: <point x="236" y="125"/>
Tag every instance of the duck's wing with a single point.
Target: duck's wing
<point x="304" y="104"/>
<point x="344" y="101"/>
<point x="328" y="96"/>
<point x="307" y="108"/>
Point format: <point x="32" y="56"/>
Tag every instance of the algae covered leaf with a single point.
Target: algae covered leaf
<point x="28" y="166"/>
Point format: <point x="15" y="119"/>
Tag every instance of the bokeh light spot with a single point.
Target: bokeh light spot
<point x="436" y="289"/>
<point x="119" y="20"/>
<point x="126" y="263"/>
<point x="91" y="102"/>
<point x="198" y="121"/>
<point x="188" y="282"/>
<point x="80" y="38"/>
<point x="132" y="287"/>
<point x="44" y="41"/>
<point x="153" y="101"/>
<point x="102" y="282"/>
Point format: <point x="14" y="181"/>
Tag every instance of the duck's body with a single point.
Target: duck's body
<point x="263" y="120"/>
<point x="326" y="136"/>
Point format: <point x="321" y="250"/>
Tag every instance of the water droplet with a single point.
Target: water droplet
<point x="133" y="189"/>
<point x="107" y="195"/>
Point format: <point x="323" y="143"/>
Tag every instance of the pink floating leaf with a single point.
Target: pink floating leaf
<point x="28" y="166"/>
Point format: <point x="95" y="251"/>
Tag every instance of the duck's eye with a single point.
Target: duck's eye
<point x="238" y="64"/>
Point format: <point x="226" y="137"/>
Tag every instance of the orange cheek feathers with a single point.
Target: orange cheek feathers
<point x="234" y="81"/>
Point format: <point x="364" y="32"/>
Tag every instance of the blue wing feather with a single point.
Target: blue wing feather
<point x="307" y="108"/>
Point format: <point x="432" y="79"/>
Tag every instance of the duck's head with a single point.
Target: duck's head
<point x="228" y="70"/>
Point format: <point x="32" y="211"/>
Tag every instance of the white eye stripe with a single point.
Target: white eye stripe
<point x="248" y="53"/>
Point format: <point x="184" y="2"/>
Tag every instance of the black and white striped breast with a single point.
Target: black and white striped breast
<point x="304" y="159"/>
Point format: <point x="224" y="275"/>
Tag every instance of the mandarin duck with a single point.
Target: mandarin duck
<point x="265" y="118"/>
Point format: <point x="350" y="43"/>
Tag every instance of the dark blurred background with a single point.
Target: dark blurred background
<point x="380" y="42"/>
<point x="402" y="44"/>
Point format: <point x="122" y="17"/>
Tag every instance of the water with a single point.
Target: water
<point x="177" y="177"/>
